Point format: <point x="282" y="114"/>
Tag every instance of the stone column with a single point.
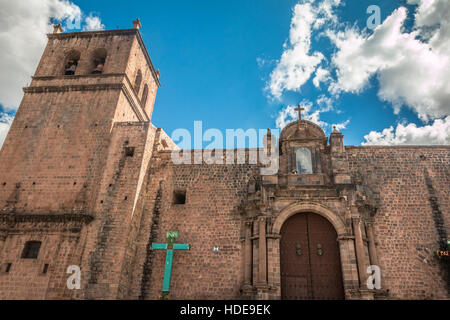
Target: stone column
<point x="372" y="247"/>
<point x="248" y="255"/>
<point x="262" y="276"/>
<point x="349" y="265"/>
<point x="360" y="254"/>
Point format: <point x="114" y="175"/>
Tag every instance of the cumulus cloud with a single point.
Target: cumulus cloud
<point x="5" y="124"/>
<point x="437" y="133"/>
<point x="341" y="126"/>
<point x="322" y="75"/>
<point x="297" y="62"/>
<point x="325" y="103"/>
<point x="311" y="113"/>
<point x="23" y="29"/>
<point x="286" y="116"/>
<point x="412" y="67"/>
<point x="93" y="23"/>
<point x="410" y="70"/>
<point x="290" y="114"/>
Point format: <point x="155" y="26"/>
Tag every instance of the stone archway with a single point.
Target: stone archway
<point x="288" y="212"/>
<point x="345" y="244"/>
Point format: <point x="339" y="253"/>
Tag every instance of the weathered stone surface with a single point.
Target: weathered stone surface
<point x="84" y="172"/>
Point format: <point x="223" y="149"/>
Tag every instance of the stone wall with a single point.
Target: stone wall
<point x="406" y="183"/>
<point x="209" y="218"/>
<point x="79" y="146"/>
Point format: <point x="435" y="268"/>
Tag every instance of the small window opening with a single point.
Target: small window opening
<point x="8" y="267"/>
<point x="179" y="197"/>
<point x="99" y="65"/>
<point x="129" y="151"/>
<point x="72" y="63"/>
<point x="31" y="250"/>
<point x="137" y="82"/>
<point x="45" y="270"/>
<point x="99" y="60"/>
<point x="144" y="96"/>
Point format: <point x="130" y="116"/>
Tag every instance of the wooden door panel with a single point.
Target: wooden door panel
<point x="312" y="272"/>
<point x="295" y="272"/>
<point x="325" y="259"/>
<point x="296" y="288"/>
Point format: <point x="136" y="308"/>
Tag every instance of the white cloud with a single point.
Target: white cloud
<point x="297" y="63"/>
<point x="5" y="124"/>
<point x="322" y="75"/>
<point x="436" y="134"/>
<point x="286" y="116"/>
<point x="325" y="102"/>
<point x="341" y="126"/>
<point x="410" y="71"/>
<point x="93" y="23"/>
<point x="290" y="114"/>
<point x="412" y="67"/>
<point x="23" y="29"/>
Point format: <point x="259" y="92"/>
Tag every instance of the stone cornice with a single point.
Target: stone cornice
<point x="79" y="76"/>
<point x="89" y="34"/>
<point x="12" y="223"/>
<point x="305" y="139"/>
<point x="80" y="87"/>
<point x="13" y="218"/>
<point x="138" y="110"/>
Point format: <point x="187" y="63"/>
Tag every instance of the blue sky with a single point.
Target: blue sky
<point x="216" y="60"/>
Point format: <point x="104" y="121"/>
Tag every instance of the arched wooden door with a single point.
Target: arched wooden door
<point x="310" y="259"/>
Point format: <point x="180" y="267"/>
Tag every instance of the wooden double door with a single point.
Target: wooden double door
<point x="310" y="259"/>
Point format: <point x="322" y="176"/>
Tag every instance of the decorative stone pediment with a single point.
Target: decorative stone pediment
<point x="303" y="130"/>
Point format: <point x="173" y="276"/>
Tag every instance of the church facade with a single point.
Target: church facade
<point x="88" y="185"/>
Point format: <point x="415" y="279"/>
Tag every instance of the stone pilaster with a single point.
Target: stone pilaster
<point x="372" y="246"/>
<point x="248" y="259"/>
<point x="360" y="254"/>
<point x="262" y="270"/>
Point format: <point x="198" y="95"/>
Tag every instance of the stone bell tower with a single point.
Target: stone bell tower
<point x="73" y="164"/>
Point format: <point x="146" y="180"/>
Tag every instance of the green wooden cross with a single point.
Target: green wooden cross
<point x="170" y="246"/>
